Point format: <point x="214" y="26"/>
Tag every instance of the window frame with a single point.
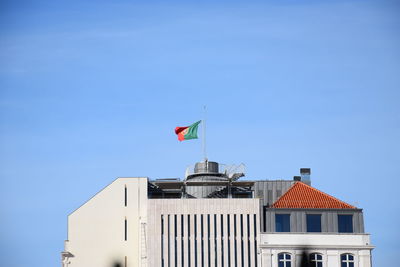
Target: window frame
<point x="280" y="214"/>
<point x="320" y="222"/>
<point x="314" y="260"/>
<point x="352" y="223"/>
<point x="287" y="262"/>
<point x="347" y="261"/>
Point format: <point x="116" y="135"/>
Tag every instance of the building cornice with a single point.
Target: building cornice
<point x="305" y="247"/>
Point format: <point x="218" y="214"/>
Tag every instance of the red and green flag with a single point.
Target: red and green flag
<point x="188" y="132"/>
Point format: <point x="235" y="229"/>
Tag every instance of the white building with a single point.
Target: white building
<point x="211" y="218"/>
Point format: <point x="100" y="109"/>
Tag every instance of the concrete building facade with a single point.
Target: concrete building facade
<point x="212" y="218"/>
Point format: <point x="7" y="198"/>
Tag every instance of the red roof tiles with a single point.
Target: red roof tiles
<point x="303" y="196"/>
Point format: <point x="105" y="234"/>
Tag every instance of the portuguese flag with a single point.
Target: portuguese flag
<point x="188" y="132"/>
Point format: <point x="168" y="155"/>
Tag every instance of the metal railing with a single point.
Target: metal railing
<point x="228" y="170"/>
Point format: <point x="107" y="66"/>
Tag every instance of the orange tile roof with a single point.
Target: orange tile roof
<point x="303" y="196"/>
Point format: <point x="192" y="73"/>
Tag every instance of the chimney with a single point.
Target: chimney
<point x="296" y="178"/>
<point x="305" y="174"/>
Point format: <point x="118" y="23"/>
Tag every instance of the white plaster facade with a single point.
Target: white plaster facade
<point x="96" y="230"/>
<point x="329" y="245"/>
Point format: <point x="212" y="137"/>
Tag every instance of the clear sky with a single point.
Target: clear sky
<point x="92" y="90"/>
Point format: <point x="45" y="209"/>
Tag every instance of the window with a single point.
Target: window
<point x="182" y="240"/>
<point x="169" y="240"/>
<point x="162" y="240"/>
<point x="202" y="239"/>
<point x="255" y="238"/>
<point x="235" y="241"/>
<point x="188" y="239"/>
<point x="241" y="238"/>
<point x="208" y="240"/>
<point x="315" y="260"/>
<point x="284" y="260"/>
<point x="195" y="240"/>
<point x="126" y="230"/>
<point x="345" y="223"/>
<point x="248" y="241"/>
<point x="264" y="218"/>
<point x="175" y="240"/>
<point x="215" y="241"/>
<point x="313" y="222"/>
<point x="282" y="222"/>
<point x="229" y="239"/>
<point x="347" y="260"/>
<point x="126" y="196"/>
<point x="222" y="240"/>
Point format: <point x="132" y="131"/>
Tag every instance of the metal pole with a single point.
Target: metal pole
<point x="204" y="135"/>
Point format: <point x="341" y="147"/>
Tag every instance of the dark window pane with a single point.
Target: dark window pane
<point x="313" y="222"/>
<point x="126" y="196"/>
<point x="284" y="260"/>
<point x="347" y="260"/>
<point x="282" y="222"/>
<point x="126" y="230"/>
<point x="345" y="223"/>
<point x="315" y="260"/>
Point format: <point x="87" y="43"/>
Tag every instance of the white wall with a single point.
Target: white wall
<point x="96" y="230"/>
<point x="331" y="246"/>
<point x="323" y="239"/>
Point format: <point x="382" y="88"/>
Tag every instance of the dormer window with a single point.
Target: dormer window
<point x="345" y="223"/>
<point x="282" y="222"/>
<point x="313" y="222"/>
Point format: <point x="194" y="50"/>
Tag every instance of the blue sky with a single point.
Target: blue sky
<point x="92" y="90"/>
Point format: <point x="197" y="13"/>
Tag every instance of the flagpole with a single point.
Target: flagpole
<point x="204" y="134"/>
